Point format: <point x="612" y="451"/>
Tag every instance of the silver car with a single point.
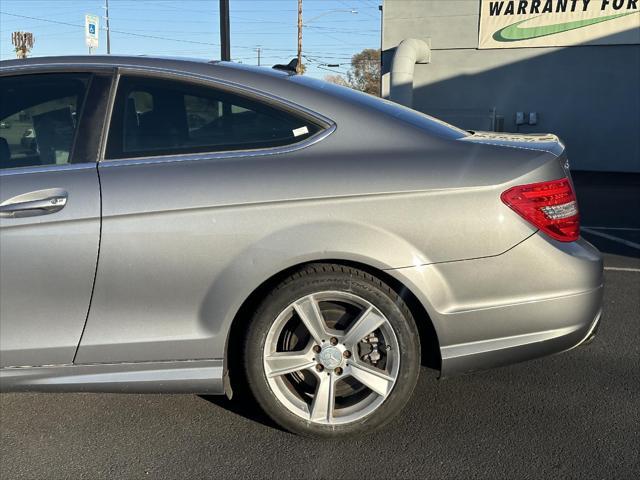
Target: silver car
<point x="188" y="226"/>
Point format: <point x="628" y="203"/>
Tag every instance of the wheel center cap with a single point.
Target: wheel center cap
<point x="330" y="357"/>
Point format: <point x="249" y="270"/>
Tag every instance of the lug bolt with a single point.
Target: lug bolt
<point x="338" y="371"/>
<point x="334" y="341"/>
<point x="346" y="354"/>
<point x="319" y="368"/>
<point x="317" y="349"/>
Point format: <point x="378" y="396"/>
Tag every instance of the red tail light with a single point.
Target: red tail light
<point x="550" y="206"/>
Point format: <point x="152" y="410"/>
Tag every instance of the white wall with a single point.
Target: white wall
<point x="588" y="95"/>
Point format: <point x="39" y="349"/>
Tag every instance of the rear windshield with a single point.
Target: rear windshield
<point x="402" y="113"/>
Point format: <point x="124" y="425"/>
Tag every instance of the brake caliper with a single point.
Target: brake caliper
<point x="369" y="349"/>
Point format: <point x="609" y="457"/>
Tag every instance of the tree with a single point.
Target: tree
<point x="364" y="74"/>
<point x="337" y="79"/>
<point x="365" y="71"/>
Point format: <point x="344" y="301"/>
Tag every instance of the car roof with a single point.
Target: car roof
<point x="195" y="65"/>
<point x="328" y="100"/>
<point x="264" y="79"/>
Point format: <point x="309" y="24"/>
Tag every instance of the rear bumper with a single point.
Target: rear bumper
<point x="539" y="298"/>
<point x="491" y="353"/>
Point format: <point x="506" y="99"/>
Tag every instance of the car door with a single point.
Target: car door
<point x="49" y="212"/>
<point x="178" y="150"/>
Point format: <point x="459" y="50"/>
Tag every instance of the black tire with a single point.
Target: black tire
<point x="315" y="278"/>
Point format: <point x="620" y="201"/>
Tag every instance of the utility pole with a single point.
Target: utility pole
<point x="225" y="37"/>
<point x="258" y="50"/>
<point x="299" y="65"/>
<point x="106" y="7"/>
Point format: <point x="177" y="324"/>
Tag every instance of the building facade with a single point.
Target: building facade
<point x="569" y="67"/>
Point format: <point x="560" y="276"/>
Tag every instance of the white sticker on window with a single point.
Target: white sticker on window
<point x="300" y="131"/>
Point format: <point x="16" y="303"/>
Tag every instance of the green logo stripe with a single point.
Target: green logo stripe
<point x="514" y="33"/>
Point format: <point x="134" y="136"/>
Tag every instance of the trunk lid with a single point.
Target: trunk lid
<point x="535" y="142"/>
<point x="543" y="142"/>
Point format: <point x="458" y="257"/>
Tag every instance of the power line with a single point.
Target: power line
<point x="330" y="70"/>
<point x="124" y="32"/>
<point x="321" y="31"/>
<point x="134" y="34"/>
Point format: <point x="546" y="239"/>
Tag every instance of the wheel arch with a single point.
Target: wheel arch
<point x="430" y="345"/>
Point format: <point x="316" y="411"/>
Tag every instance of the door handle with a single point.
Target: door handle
<point x="20" y="206"/>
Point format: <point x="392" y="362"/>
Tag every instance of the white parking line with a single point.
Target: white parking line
<point x="623" y="269"/>
<point x="622" y="229"/>
<point x="628" y="243"/>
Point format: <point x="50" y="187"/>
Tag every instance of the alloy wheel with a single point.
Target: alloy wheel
<point x="331" y="357"/>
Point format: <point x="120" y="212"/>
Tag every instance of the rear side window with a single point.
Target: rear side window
<point x="39" y="116"/>
<point x="154" y="117"/>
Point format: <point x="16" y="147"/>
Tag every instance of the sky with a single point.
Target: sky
<point x="191" y="28"/>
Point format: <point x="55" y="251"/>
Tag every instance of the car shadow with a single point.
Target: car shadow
<point x="244" y="406"/>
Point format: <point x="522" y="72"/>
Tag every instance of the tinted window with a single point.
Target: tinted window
<point x="163" y="117"/>
<point x="38" y="118"/>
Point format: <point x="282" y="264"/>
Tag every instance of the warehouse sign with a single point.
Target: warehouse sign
<point x="556" y="23"/>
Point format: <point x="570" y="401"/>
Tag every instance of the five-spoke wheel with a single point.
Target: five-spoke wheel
<point x="335" y="352"/>
<point x="348" y="364"/>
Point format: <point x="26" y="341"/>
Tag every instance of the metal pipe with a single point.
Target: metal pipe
<point x="408" y="53"/>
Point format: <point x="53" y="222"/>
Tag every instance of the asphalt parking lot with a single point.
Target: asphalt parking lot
<point x="575" y="415"/>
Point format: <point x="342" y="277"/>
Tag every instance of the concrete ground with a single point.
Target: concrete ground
<point x="574" y="415"/>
